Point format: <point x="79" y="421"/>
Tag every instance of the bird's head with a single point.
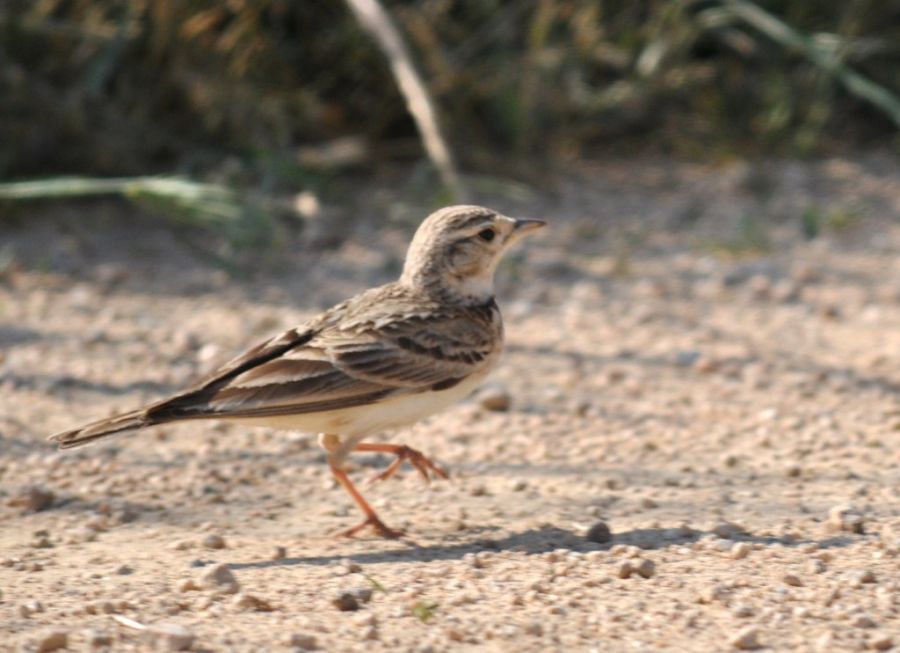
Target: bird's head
<point x="456" y="250"/>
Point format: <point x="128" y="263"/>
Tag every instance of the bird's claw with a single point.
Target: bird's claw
<point x="417" y="459"/>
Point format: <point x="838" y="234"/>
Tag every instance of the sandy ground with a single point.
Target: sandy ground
<point x="682" y="366"/>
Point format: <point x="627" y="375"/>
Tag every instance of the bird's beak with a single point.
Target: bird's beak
<point x="525" y="226"/>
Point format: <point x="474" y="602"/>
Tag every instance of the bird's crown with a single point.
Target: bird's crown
<point x="456" y="250"/>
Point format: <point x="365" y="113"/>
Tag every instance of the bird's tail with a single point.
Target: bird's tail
<point x="86" y="434"/>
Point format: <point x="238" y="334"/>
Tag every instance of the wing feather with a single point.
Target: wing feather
<point x="345" y="363"/>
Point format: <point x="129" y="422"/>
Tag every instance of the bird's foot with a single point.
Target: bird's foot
<point x="381" y="529"/>
<point x="415" y="457"/>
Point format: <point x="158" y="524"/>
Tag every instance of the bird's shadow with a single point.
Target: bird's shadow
<point x="530" y="542"/>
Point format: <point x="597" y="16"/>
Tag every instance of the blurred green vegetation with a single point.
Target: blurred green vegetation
<point x="124" y="87"/>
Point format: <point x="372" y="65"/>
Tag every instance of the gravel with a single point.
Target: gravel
<point x="220" y="579"/>
<point x="303" y="641"/>
<point x="52" y="640"/>
<point x="32" y="498"/>
<point x="747" y="639"/>
<point x="170" y="637"/>
<point x="599" y="533"/>
<point x="213" y="541"/>
<point x="709" y="407"/>
<point x="345" y="602"/>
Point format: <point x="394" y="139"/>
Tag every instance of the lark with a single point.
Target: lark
<point x="379" y="361"/>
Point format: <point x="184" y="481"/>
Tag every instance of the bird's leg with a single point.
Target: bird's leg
<point x="336" y="454"/>
<point x="372" y="519"/>
<point x="416" y="458"/>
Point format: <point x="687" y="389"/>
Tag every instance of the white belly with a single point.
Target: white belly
<point x="360" y="421"/>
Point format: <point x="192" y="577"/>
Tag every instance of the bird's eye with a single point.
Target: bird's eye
<point x="486" y="234"/>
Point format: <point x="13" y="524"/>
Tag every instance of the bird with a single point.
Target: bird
<point x="381" y="360"/>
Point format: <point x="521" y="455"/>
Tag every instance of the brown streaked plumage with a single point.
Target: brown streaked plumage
<point x="378" y="361"/>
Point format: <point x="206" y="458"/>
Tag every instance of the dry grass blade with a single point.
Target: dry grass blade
<point x="788" y="37"/>
<point x="375" y="20"/>
<point x="207" y="203"/>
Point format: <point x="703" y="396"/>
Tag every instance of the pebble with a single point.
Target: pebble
<point x="97" y="638"/>
<point x="645" y="568"/>
<point x="345" y="602"/>
<point x="740" y="550"/>
<point x="280" y="553"/>
<point x="494" y="398"/>
<point x="533" y="628"/>
<point x="52" y="641"/>
<point x="624" y="569"/>
<point x="171" y="637"/>
<point x="864" y="621"/>
<point x="881" y="643"/>
<point x="742" y="610"/>
<point x="792" y="579"/>
<point x="363" y="594"/>
<point x="861" y="577"/>
<point x="746" y="639"/>
<point x="220" y="578"/>
<point x="250" y="602"/>
<point x="599" y="533"/>
<point x="816" y="566"/>
<point x="30" y="607"/>
<point x="303" y="641"/>
<point x="213" y="541"/>
<point x="847" y="519"/>
<point x="728" y="530"/>
<point x="32" y="498"/>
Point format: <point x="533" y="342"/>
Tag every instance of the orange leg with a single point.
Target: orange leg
<point x="416" y="458"/>
<point x="372" y="518"/>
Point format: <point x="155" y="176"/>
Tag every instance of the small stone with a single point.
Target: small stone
<point x="862" y="577"/>
<point x="645" y="568"/>
<point x="213" y="541"/>
<point x="52" y="641"/>
<point x="846" y="518"/>
<point x="303" y="641"/>
<point x="494" y="398"/>
<point x="740" y="550"/>
<point x="32" y="498"/>
<point x="792" y="579"/>
<point x="98" y="638"/>
<point x="534" y="628"/>
<point x="728" y="530"/>
<point x="280" y="553"/>
<point x="246" y="601"/>
<point x="124" y="570"/>
<point x="363" y="594"/>
<point x="172" y="637"/>
<point x="518" y="485"/>
<point x="742" y="610"/>
<point x="624" y="569"/>
<point x="345" y="602"/>
<point x="816" y="566"/>
<point x="188" y="585"/>
<point x="864" y="621"/>
<point x="350" y="567"/>
<point x="30" y="607"/>
<point x="825" y="642"/>
<point x="220" y="578"/>
<point x="746" y="639"/>
<point x="881" y="643"/>
<point x="599" y="533"/>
